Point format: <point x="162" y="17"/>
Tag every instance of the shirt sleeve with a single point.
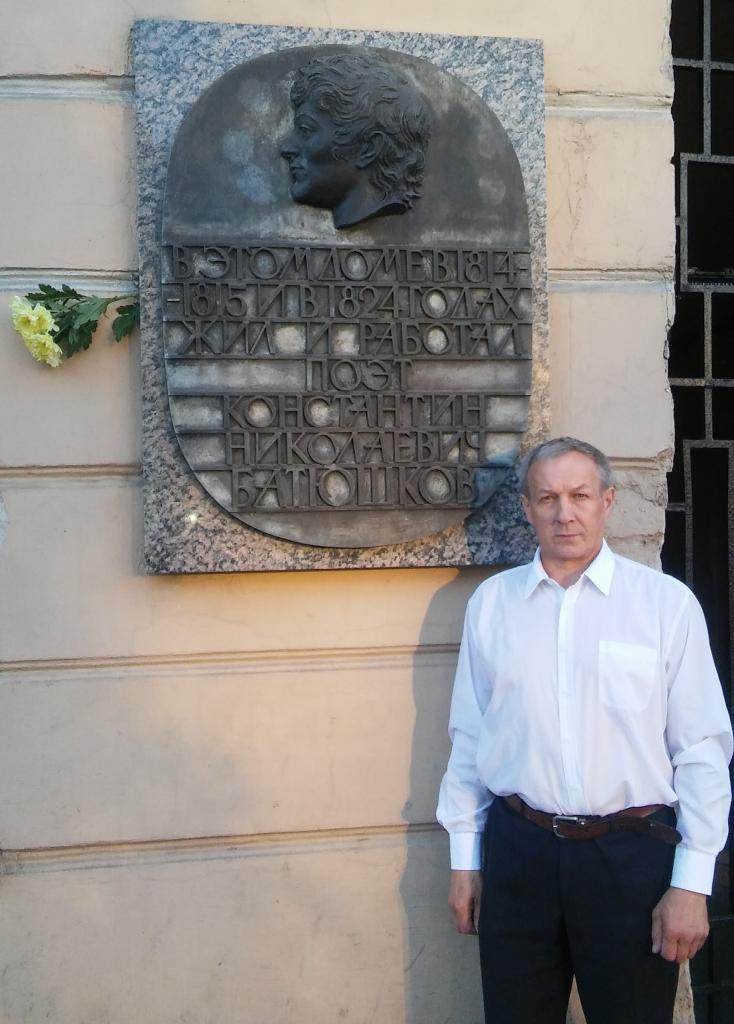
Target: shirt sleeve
<point x="699" y="738"/>
<point x="464" y="800"/>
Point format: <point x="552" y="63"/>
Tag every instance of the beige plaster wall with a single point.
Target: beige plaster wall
<point x="216" y="794"/>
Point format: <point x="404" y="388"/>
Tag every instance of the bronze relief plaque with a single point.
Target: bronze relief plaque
<point x="346" y="296"/>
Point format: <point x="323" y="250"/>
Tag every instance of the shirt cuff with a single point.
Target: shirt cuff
<point x="466" y="851"/>
<point x="693" y="870"/>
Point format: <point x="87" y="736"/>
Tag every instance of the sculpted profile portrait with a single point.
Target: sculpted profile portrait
<point x="359" y="138"/>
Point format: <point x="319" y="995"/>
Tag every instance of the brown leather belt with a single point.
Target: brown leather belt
<point x="592" y="826"/>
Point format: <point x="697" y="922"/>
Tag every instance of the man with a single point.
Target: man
<point x="359" y="138"/>
<point x="586" y="718"/>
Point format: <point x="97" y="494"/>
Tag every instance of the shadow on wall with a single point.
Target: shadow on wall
<point x="442" y="980"/>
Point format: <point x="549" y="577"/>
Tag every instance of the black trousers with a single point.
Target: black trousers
<point x="552" y="908"/>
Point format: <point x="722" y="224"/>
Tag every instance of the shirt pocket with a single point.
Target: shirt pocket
<point x="627" y="673"/>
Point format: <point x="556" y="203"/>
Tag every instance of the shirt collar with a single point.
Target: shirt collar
<point x="600" y="572"/>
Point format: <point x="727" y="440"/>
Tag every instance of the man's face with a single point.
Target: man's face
<point x="317" y="177"/>
<point x="567" y="508"/>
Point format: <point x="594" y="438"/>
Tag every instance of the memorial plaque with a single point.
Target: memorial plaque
<point x="347" y="296"/>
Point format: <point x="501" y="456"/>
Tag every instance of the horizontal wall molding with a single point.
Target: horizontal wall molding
<point x="206" y="848"/>
<point x="109" y="474"/>
<point x="336" y="659"/>
<point x="26" y="279"/>
<point x="121" y="89"/>
<point x="560" y="279"/>
<point x="606" y="105"/>
<point x="597" y="280"/>
<point x="660" y="462"/>
<point x="88" y="88"/>
<point x="26" y="476"/>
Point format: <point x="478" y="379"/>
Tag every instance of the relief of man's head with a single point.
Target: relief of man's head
<point x="359" y="138"/>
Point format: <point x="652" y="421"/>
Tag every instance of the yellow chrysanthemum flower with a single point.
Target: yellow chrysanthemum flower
<point x="43" y="348"/>
<point x="31" y="320"/>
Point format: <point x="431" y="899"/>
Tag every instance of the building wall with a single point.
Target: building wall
<point x="217" y="793"/>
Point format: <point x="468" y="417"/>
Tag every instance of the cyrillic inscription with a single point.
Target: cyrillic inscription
<point x="336" y="377"/>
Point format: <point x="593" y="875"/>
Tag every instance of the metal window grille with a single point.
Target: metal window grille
<point x="699" y="537"/>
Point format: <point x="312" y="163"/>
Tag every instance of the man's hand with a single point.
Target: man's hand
<point x="465" y="890"/>
<point x="680" y="925"/>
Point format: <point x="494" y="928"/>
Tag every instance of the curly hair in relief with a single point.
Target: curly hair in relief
<point x="370" y="101"/>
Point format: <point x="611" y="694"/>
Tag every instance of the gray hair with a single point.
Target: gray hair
<point x="561" y="446"/>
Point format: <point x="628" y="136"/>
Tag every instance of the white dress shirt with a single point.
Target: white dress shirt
<point x="587" y="700"/>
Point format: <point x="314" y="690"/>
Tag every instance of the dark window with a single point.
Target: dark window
<point x="687" y="107"/>
<point x="711" y="217"/>
<point x="686" y="337"/>
<point x="722" y="28"/>
<point x="722" y="112"/>
<point x="686" y="29"/>
<point x="722" y="337"/>
<point x="722" y="411"/>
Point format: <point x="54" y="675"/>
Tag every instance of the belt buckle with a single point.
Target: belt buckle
<point x="571" y="819"/>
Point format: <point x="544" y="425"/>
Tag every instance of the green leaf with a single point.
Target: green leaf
<point x="80" y="337"/>
<point x="127" y="319"/>
<point x="89" y="310"/>
<point x="47" y="293"/>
